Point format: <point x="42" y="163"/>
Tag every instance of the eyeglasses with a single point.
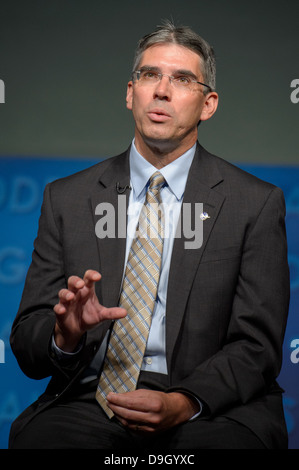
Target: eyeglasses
<point x="151" y="77"/>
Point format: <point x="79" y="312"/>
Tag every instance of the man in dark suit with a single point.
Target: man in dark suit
<point x="208" y="373"/>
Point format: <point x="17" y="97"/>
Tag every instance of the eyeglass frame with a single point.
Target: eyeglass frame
<point x="161" y="75"/>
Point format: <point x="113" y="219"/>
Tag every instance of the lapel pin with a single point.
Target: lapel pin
<point x="204" y="216"/>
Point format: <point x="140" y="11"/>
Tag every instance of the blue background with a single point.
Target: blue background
<point x="22" y="181"/>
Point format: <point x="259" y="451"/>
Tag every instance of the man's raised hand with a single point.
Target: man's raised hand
<point x="79" y="310"/>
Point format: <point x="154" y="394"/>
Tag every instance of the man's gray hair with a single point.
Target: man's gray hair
<point x="183" y="36"/>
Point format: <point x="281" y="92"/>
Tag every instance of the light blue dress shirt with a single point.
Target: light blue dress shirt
<point x="175" y="175"/>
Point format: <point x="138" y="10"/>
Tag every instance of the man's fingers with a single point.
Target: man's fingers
<point x="65" y="295"/>
<point x="59" y="309"/>
<point x="113" y="313"/>
<point x="140" y="399"/>
<point x="80" y="295"/>
<point x="84" y="285"/>
<point x="75" y="283"/>
<point x="90" y="277"/>
<point x="134" y="401"/>
<point x="135" y="420"/>
<point x="129" y="415"/>
<point x="142" y="410"/>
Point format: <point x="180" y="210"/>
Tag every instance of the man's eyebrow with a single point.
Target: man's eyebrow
<point x="189" y="73"/>
<point x="186" y="72"/>
<point x="150" y="67"/>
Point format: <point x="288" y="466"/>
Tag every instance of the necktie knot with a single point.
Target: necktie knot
<point x="156" y="181"/>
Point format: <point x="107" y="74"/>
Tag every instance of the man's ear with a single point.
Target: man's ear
<point x="129" y="98"/>
<point x="210" y="106"/>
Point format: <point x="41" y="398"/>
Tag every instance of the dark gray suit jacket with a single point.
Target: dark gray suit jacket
<point x="227" y="301"/>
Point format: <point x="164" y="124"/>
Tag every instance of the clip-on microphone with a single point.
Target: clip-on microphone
<point x="121" y="190"/>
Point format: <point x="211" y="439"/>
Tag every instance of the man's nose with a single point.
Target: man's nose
<point x="163" y="89"/>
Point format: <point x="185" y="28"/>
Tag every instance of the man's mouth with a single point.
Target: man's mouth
<point x="158" y="115"/>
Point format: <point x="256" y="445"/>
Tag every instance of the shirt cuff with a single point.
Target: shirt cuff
<point x="63" y="355"/>
<point x="200" y="409"/>
<point x="188" y="394"/>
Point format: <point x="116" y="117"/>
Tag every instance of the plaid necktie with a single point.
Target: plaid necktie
<point x="129" y="335"/>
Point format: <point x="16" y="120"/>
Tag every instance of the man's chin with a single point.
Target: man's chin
<point x="161" y="144"/>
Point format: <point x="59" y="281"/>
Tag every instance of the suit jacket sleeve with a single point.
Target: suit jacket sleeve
<point x="34" y="323"/>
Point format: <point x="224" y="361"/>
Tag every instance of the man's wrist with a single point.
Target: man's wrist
<point x="66" y="342"/>
<point x="64" y="356"/>
<point x="191" y="406"/>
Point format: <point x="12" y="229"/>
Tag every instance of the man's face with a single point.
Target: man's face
<point x="165" y="115"/>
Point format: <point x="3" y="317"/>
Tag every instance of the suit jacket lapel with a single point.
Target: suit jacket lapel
<point x="200" y="188"/>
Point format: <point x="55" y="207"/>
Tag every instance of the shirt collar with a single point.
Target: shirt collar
<point x="175" y="173"/>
